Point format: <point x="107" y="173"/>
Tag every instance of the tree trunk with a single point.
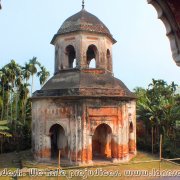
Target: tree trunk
<point x="32" y="84"/>
<point x="2" y="113"/>
<point x="152" y="132"/>
<point x="1" y="151"/>
<point x="11" y="99"/>
<point x="17" y="99"/>
<point x="7" y="107"/>
<point x="24" y="109"/>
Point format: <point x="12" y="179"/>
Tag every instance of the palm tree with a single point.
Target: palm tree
<point x="5" y="88"/>
<point x="14" y="71"/>
<point x="43" y="75"/>
<point x="33" y="70"/>
<point x="26" y="72"/>
<point x="18" y="83"/>
<point x="15" y="103"/>
<point x="23" y="93"/>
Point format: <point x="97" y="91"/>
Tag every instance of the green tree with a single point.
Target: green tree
<point x="15" y="104"/>
<point x="3" y="133"/>
<point x="26" y="72"/>
<point x="33" y="65"/>
<point x="43" y="75"/>
<point x="158" y="108"/>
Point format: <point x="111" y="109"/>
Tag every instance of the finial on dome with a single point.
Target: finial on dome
<point x="83" y="4"/>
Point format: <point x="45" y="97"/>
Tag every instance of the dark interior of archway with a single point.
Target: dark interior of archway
<point x="131" y="128"/>
<point x="56" y="131"/>
<point x="91" y="54"/>
<point x="71" y="55"/>
<point x="108" y="56"/>
<point x="101" y="142"/>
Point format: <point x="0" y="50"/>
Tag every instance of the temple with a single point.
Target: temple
<point x="83" y="110"/>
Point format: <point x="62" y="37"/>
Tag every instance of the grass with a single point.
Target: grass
<point x="11" y="161"/>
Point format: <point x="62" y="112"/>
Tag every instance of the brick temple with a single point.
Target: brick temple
<point x="83" y="110"/>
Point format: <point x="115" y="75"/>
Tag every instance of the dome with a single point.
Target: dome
<point x="83" y="21"/>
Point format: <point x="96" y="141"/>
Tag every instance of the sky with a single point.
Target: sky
<point x="142" y="51"/>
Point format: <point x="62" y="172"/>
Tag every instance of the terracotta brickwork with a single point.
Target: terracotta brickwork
<point x="80" y="121"/>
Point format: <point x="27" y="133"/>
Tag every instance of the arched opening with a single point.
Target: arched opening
<point x="108" y="57"/>
<point x="101" y="142"/>
<point x="91" y="55"/>
<point x="131" y="127"/>
<point x="71" y="56"/>
<point x="131" y="138"/>
<point x="58" y="141"/>
<point x="74" y="64"/>
<point x="92" y="63"/>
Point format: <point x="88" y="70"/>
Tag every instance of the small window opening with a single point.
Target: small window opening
<point x="91" y="56"/>
<point x="74" y="63"/>
<point x="71" y="53"/>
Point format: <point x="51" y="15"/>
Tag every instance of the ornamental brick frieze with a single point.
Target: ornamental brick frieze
<point x="61" y="111"/>
<point x="102" y="92"/>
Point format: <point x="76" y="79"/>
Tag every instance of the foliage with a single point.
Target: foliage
<point x="4" y="128"/>
<point x="159" y="109"/>
<point x="15" y="105"/>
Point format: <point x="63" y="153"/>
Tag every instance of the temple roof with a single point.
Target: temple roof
<point x="83" y="21"/>
<point x="84" y="83"/>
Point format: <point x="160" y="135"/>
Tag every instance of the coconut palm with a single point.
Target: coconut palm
<point x="43" y="75"/>
<point x="14" y="71"/>
<point x="33" y="63"/>
<point x="15" y="104"/>
<point x="23" y="95"/>
<point x="26" y="72"/>
<point x="6" y="90"/>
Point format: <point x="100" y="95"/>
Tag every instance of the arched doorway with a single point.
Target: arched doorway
<point x="101" y="142"/>
<point x="58" y="141"/>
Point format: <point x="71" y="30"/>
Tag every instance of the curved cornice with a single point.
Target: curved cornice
<point x="167" y="13"/>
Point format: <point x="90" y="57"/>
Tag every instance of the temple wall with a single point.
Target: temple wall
<point x="82" y="118"/>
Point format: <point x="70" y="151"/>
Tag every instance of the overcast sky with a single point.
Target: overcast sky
<point x="142" y="51"/>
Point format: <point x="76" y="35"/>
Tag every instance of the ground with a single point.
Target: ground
<point x="24" y="161"/>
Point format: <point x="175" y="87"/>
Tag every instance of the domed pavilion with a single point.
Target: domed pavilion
<point x="83" y="110"/>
